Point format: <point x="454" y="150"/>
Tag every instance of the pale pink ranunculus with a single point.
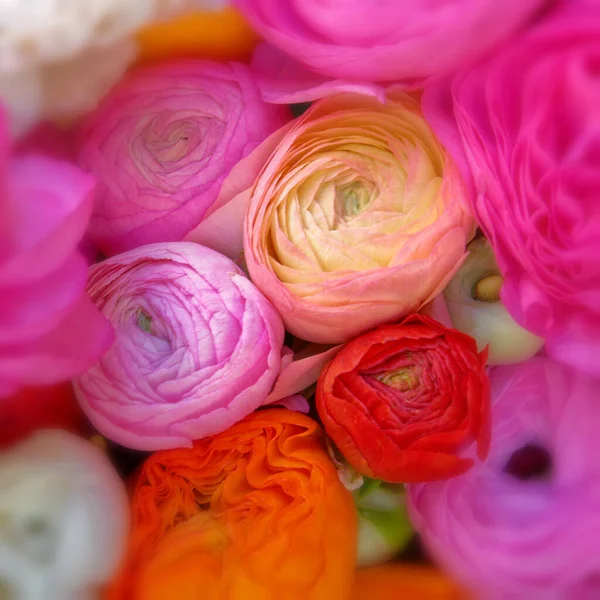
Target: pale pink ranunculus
<point x="49" y="329"/>
<point x="161" y="143"/>
<point x="523" y="127"/>
<point x="525" y="522"/>
<point x="197" y="347"/>
<point x="375" y="40"/>
<point x="356" y="217"/>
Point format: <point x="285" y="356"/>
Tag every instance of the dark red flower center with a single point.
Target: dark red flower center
<point x="531" y="462"/>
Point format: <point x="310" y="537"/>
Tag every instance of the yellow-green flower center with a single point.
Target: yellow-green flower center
<point x="355" y="198"/>
<point x="404" y="379"/>
<point x="487" y="289"/>
<point x="144" y="321"/>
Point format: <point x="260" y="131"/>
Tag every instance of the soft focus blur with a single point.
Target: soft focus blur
<point x="299" y="299"/>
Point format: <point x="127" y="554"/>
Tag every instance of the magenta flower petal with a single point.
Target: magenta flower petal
<point x="69" y="348"/>
<point x="161" y="144"/>
<point x="282" y="80"/>
<point x="49" y="330"/>
<point x="375" y="40"/>
<point x="524" y="523"/>
<point x="523" y="128"/>
<point x="198" y="346"/>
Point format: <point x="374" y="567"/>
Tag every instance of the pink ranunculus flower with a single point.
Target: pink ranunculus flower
<point x="375" y="40"/>
<point x="523" y="127"/>
<point x="49" y="329"/>
<point x="198" y="346"/>
<point x="356" y="217"/>
<point x="161" y="143"/>
<point x="525" y="523"/>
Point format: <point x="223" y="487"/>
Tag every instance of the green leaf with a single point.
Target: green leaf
<point x="393" y="525"/>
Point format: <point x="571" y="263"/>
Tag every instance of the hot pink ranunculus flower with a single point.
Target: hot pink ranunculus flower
<point x="198" y="346"/>
<point x="50" y="331"/>
<point x="524" y="523"/>
<point x="524" y="128"/>
<point x="161" y="143"/>
<point x="388" y="40"/>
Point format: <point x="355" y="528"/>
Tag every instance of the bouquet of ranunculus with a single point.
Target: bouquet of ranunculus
<point x="318" y="283"/>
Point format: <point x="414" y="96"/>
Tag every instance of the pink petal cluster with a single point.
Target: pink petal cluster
<point x="50" y="331"/>
<point x="197" y="346"/>
<point x="525" y="523"/>
<point x="375" y="40"/>
<point x="524" y="128"/>
<point x="161" y="143"/>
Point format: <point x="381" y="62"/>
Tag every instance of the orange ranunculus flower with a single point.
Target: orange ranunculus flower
<point x="217" y="35"/>
<point x="254" y="513"/>
<point x="397" y="581"/>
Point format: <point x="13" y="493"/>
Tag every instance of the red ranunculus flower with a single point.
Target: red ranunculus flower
<point x="404" y="402"/>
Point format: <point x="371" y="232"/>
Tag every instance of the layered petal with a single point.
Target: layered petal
<point x="405" y="402"/>
<point x="371" y="40"/>
<point x="197" y="348"/>
<point x="254" y="512"/>
<point x="524" y="524"/>
<point x="357" y="218"/>
<point x="161" y="144"/>
<point x="529" y="153"/>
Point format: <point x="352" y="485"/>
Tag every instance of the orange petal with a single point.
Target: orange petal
<point x="256" y="512"/>
<point x="395" y="581"/>
<point x="222" y="35"/>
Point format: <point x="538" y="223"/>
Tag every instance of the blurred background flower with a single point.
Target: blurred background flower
<point x="45" y="206"/>
<point x="524" y="523"/>
<point x="58" y="57"/>
<point x="371" y="40"/>
<point x="396" y="580"/>
<point x="63" y="518"/>
<point x="161" y="144"/>
<point x="528" y="152"/>
<point x="383" y="525"/>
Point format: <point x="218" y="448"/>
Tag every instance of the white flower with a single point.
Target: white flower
<point x="64" y="89"/>
<point x="63" y="518"/>
<point x="37" y="31"/>
<point x="59" y="57"/>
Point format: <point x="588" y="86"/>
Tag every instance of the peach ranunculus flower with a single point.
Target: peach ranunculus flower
<point x="254" y="513"/>
<point x="357" y="218"/>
